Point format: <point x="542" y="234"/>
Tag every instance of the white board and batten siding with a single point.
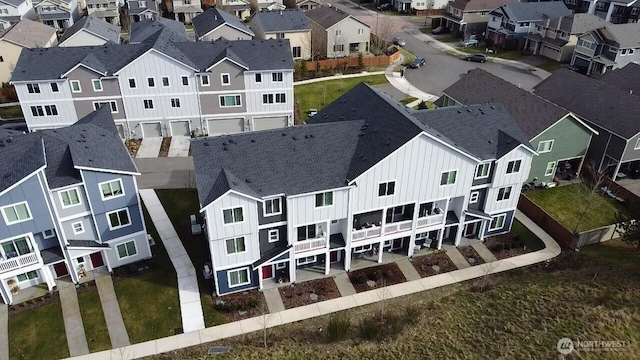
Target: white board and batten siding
<point x="219" y="232"/>
<point x="62" y="100"/>
<point x="303" y="209"/>
<point x="255" y="90"/>
<point x="502" y="179"/>
<point x="417" y="177"/>
<point x="83" y="38"/>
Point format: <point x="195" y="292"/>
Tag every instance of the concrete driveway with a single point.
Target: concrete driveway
<point x="166" y="173"/>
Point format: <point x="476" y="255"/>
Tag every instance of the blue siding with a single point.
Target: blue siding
<point x="45" y="243"/>
<point x="223" y="282"/>
<point x="284" y="256"/>
<point x="506" y="227"/>
<point x="100" y="208"/>
<point x="31" y="192"/>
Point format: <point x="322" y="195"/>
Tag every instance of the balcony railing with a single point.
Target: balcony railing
<point x="430" y="220"/>
<point x="397" y="227"/>
<point x="364" y="234"/>
<point x="18" y="262"/>
<point x="308" y="245"/>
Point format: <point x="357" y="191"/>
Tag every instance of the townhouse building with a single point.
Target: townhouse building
<point x="140" y="10"/>
<point x="25" y="34"/>
<point x="12" y="11"/>
<point x="185" y="10"/>
<point x="60" y="14"/>
<point x="613" y="11"/>
<point x="69" y="204"/>
<point x="470" y="17"/>
<point x="607" y="47"/>
<point x="161" y="86"/>
<point x="214" y="24"/>
<point x="336" y="34"/>
<point x="90" y="31"/>
<point x="106" y="10"/>
<point x="366" y="176"/>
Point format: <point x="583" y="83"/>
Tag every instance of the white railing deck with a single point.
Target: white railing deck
<point x="18" y="262"/>
<point x="430" y="220"/>
<point x="308" y="245"/>
<point x="397" y="227"/>
<point x="364" y="234"/>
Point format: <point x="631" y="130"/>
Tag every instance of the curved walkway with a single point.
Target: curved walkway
<point x="153" y="347"/>
<point x="399" y="82"/>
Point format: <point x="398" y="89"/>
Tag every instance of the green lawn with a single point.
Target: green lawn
<point x="11" y="112"/>
<point x="318" y="95"/>
<point x="521" y="316"/>
<point x="529" y="239"/>
<point x="179" y="204"/>
<point x="550" y="65"/>
<point x="149" y="302"/>
<point x="566" y="203"/>
<point x="408" y="100"/>
<point x="449" y="39"/>
<point x="38" y="334"/>
<point x="429" y="105"/>
<point x="503" y="54"/>
<point x="95" y="326"/>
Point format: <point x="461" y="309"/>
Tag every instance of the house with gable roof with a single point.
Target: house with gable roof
<point x="25" y="34"/>
<point x="12" y="11"/>
<point x="290" y="24"/>
<point x="90" y="31"/>
<point x="470" y="17"/>
<point x="60" y="14"/>
<point x="214" y="24"/>
<point x="337" y="33"/>
<point x="607" y="47"/>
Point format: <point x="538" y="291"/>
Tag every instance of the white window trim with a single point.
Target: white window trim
<point x="222" y="79"/>
<point x="387" y="188"/>
<point x="152" y="107"/>
<point x="273" y="231"/>
<point x="264" y="207"/>
<point x="226" y="250"/>
<point x="109" y="102"/>
<point x="77" y="190"/>
<point x="119" y="226"/>
<point x="235" y="222"/>
<point x="135" y="83"/>
<point x="323" y="199"/>
<point x="168" y="81"/>
<point x="448" y="171"/>
<point x="229" y="106"/>
<point x="281" y="265"/>
<point x="179" y="102"/>
<point x="305" y="262"/>
<point x="255" y="78"/>
<point x="125" y="246"/>
<point x="53" y="234"/>
<point x="93" y="84"/>
<point x="25" y="273"/>
<point x="202" y="77"/>
<point x="113" y="196"/>
<point x="637" y="145"/>
<point x="504" y="216"/>
<point x="4" y="215"/>
<point x="73" y="228"/>
<point x="513" y="161"/>
<point x="154" y="82"/>
<point x="182" y="80"/>
<point x="362" y="248"/>
<point x="504" y="192"/>
<point x="239" y="284"/>
<point x="79" y="86"/>
<point x="544" y="142"/>
<point x="281" y="75"/>
<point x="474" y="196"/>
<point x="57" y="87"/>
<point x="553" y="169"/>
<point x="476" y="172"/>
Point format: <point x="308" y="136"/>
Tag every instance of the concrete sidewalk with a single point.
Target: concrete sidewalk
<point x="337" y="77"/>
<point x="274" y="300"/>
<point x="73" y="326"/>
<point x="171" y="343"/>
<point x="4" y="332"/>
<point x="188" y="291"/>
<point x="149" y="148"/>
<point x="112" y="314"/>
<point x="179" y="146"/>
<point x="400" y="83"/>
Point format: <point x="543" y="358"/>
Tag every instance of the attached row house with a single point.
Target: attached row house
<point x="470" y="17"/>
<point x="12" y="11"/>
<point x="161" y="86"/>
<point x="606" y="48"/>
<point x="613" y="11"/>
<point x="69" y="204"/>
<point x="366" y="176"/>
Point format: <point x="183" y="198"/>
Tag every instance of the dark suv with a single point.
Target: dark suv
<point x="481" y="58"/>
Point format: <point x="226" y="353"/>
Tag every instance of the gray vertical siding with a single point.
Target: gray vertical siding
<point x="110" y="87"/>
<point x="77" y="209"/>
<point x="31" y="192"/>
<point x="275" y="218"/>
<point x="263" y="237"/>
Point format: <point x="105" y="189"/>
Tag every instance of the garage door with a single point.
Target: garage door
<point x="225" y="126"/>
<point x="120" y="128"/>
<point x="152" y="130"/>
<point x="549" y="52"/>
<point x="180" y="128"/>
<point x="277" y="122"/>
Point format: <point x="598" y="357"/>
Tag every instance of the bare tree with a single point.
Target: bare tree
<point x="385" y="29"/>
<point x="324" y="91"/>
<point x="593" y="180"/>
<point x="384" y="296"/>
<point x="338" y="44"/>
<point x="487" y="269"/>
<point x="264" y="319"/>
<point x="316" y="44"/>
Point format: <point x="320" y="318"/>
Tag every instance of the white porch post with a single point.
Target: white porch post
<point x="327" y="263"/>
<point x="412" y="238"/>
<point x="440" y="236"/>
<point x="260" y="286"/>
<point x="48" y="277"/>
<point x="107" y="262"/>
<point x="292" y="268"/>
<point x="380" y="251"/>
<point x="483" y="226"/>
<point x="327" y="248"/>
<point x="458" y="233"/>
<point x="347" y="240"/>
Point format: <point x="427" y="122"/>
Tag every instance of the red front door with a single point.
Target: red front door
<point x="397" y="243"/>
<point x="267" y="272"/>
<point x="61" y="269"/>
<point x="333" y="256"/>
<point x="97" y="260"/>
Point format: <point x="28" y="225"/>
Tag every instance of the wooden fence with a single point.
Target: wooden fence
<point x="558" y="232"/>
<point x="352" y="62"/>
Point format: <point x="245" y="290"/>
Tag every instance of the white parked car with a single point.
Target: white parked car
<point x="469" y="42"/>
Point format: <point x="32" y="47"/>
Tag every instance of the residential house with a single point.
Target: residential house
<point x="610" y="110"/>
<point x="510" y="23"/>
<point x="419" y="7"/>
<point x="556" y="38"/>
<point x="336" y="34"/>
<point x="172" y="30"/>
<point x="613" y="11"/>
<point x="560" y="138"/>
<point x="626" y="78"/>
<point x="285" y="24"/>
<point x="214" y="24"/>
<point x="470" y="17"/>
<point x="244" y="8"/>
<point x="607" y="48"/>
<point x="60" y="14"/>
<point x="25" y="34"/>
<point x="106" y="10"/>
<point x="90" y="31"/>
<point x="12" y="11"/>
<point x="307" y="4"/>
<point x="139" y="10"/>
<point x="69" y="203"/>
<point x="185" y="10"/>
<point x="162" y="86"/>
<point x="396" y="183"/>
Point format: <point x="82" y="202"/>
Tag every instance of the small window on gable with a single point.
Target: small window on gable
<point x="54" y="88"/>
<point x="225" y="79"/>
<point x="132" y="83"/>
<point x="185" y="81"/>
<point x="482" y="171"/>
<point x="513" y="166"/>
<point x="272" y="207"/>
<point x="165" y="81"/>
<point x="387" y="189"/>
<point x="258" y="78"/>
<point x="545" y="146"/>
<point x="448" y="177"/>
<point x="151" y="82"/>
<point x="324" y="199"/>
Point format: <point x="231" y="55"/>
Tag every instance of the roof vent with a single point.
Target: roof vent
<point x="388" y="143"/>
<point x="224" y="143"/>
<point x="232" y="141"/>
<point x="225" y="148"/>
<point x="234" y="182"/>
<point x="253" y="140"/>
<point x="294" y="138"/>
<point x="248" y="181"/>
<point x="459" y="112"/>
<point x="361" y="134"/>
<point x="283" y="134"/>
<point x="312" y="136"/>
<point x="9" y="139"/>
<point x="306" y="136"/>
<point x="375" y="130"/>
<point x="490" y="141"/>
<point x="205" y="143"/>
<point x="1" y="144"/>
<point x="468" y="110"/>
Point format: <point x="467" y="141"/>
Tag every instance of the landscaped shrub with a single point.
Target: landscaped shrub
<point x="222" y="306"/>
<point x="361" y="278"/>
<point x="369" y="329"/>
<point x="338" y="327"/>
<point x="378" y="275"/>
<point x="412" y="314"/>
<point x="394" y="323"/>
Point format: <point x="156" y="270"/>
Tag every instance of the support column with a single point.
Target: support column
<point x="106" y="261"/>
<point x="380" y="251"/>
<point x="440" y="236"/>
<point x="292" y="267"/>
<point x="412" y="238"/>
<point x="260" y="278"/>
<point x="483" y="227"/>
<point x="327" y="263"/>
<point x="48" y="277"/>
<point x="458" y="233"/>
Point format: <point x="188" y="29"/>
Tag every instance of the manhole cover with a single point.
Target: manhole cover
<point x="218" y="350"/>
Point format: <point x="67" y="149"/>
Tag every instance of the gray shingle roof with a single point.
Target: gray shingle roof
<point x="29" y="34"/>
<point x="609" y="107"/>
<point x="96" y="26"/>
<point x="212" y="18"/>
<point x="21" y="156"/>
<point x="143" y="30"/>
<point x="14" y="3"/>
<point x="627" y="35"/>
<point x="326" y="16"/>
<point x="86" y="243"/>
<point x="533" y="11"/>
<point x="583" y="23"/>
<point x="281" y="20"/>
<point x="477" y="5"/>
<point x="626" y="78"/>
<point x="532" y="113"/>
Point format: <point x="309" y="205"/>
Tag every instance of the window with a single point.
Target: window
<point x="306" y="232"/>
<point x="75" y="86"/>
<point x="69" y="198"/>
<point x="233" y="215"/>
<point x="235" y="246"/>
<point x="280" y="266"/>
<point x="258" y="78"/>
<point x="498" y="222"/>
<point x="142" y="4"/>
<point x="482" y="171"/>
<point x="448" y="177"/>
<point x="111" y="189"/>
<point x="387" y="189"/>
<point x="637" y="145"/>
<point x="112" y="104"/>
<point x="276" y="77"/>
<point x="127" y="249"/>
<point x="513" y="166"/>
<point x="225" y="79"/>
<point x="230" y="101"/>
<point x="324" y="199"/>
<point x="361" y="249"/>
<point x="97" y="85"/>
<point x="587" y="44"/>
<point x="27" y="276"/>
<point x="524" y="24"/>
<point x="33" y="88"/>
<point x="16" y="213"/>
<point x="473" y="198"/>
<point x="132" y="83"/>
<point x="148" y="104"/>
<point x="37" y="111"/>
<point x="15" y="247"/>
<point x="48" y="234"/>
<point x="267" y="98"/>
<point x="118" y="219"/>
<point x="165" y="81"/>
<point x="545" y="146"/>
<point x="297" y="51"/>
<point x="306" y="260"/>
<point x="204" y="80"/>
<point x="632" y="51"/>
<point x="80" y="260"/>
<point x="272" y="207"/>
<point x="281" y="98"/>
<point x="185" y="81"/>
<point x="360" y="31"/>
<point x="274" y="236"/>
<point x="175" y="103"/>
<point x="550" y="169"/>
<point x="338" y="47"/>
<point x="504" y="193"/>
<point x="54" y="88"/>
<point x="338" y="32"/>
<point x="78" y="228"/>
<point x="151" y="82"/>
<point x="238" y="277"/>
<point x="635" y="10"/>
<point x="51" y="110"/>
<point x="613" y="50"/>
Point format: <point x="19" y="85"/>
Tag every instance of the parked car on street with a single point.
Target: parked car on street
<point x="417" y="63"/>
<point x="440" y="30"/>
<point x="481" y="58"/>
<point x="469" y="42"/>
<point x="384" y="7"/>
<point x="399" y="42"/>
